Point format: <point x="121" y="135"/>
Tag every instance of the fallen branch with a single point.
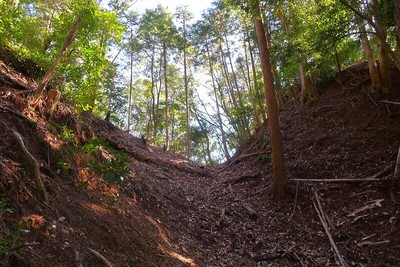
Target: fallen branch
<point x="375" y="203"/>
<point x="338" y="180"/>
<point x="369" y="243"/>
<point x="322" y="217"/>
<point x="34" y="165"/>
<point x="390" y="102"/>
<point x="100" y="257"/>
<point x="397" y="168"/>
<point x="384" y="171"/>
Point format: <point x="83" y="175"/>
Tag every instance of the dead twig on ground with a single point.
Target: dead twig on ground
<point x="338" y="180"/>
<point x="322" y="217"/>
<point x="295" y="201"/>
<point x="390" y="102"/>
<point x="369" y="243"/>
<point x="375" y="203"/>
<point x="397" y="168"/>
<point x="100" y="257"/>
<point x="33" y="164"/>
<point x="384" y="171"/>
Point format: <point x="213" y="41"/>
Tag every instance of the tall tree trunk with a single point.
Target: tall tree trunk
<point x="172" y="142"/>
<point x="166" y="98"/>
<point x="203" y="129"/>
<point x="252" y="96"/>
<point x="188" y="148"/>
<point x="379" y="34"/>
<point x="306" y="85"/>
<point x="255" y="80"/>
<point x="157" y="107"/>
<point x="243" y="116"/>
<point x="227" y="79"/>
<point x="384" y="62"/>
<point x="278" y="167"/>
<point x="221" y="127"/>
<point x="337" y="58"/>
<point x="130" y="88"/>
<point x="373" y="68"/>
<point x="397" y="24"/>
<point x="51" y="71"/>
<point x="153" y="97"/>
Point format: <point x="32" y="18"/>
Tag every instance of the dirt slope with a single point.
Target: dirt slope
<point x="169" y="211"/>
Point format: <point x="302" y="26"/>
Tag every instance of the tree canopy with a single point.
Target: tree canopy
<point x="195" y="87"/>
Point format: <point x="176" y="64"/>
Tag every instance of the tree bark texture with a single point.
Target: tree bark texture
<point x="373" y="68"/>
<point x="278" y="168"/>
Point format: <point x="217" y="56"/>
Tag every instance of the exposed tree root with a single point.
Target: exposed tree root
<point x="100" y="257"/>
<point x="33" y="164"/>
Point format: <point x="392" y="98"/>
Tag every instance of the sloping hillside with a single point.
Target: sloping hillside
<point x="168" y="211"/>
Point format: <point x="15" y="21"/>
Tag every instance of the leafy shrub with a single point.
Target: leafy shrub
<point x="65" y="134"/>
<point x="264" y="157"/>
<point x="108" y="161"/>
<point x="11" y="241"/>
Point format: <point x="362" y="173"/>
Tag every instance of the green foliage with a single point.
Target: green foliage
<point x="4" y="207"/>
<point x="11" y="241"/>
<point x="65" y="134"/>
<point x="106" y="160"/>
<point x="36" y="30"/>
<point x="64" y="167"/>
<point x="264" y="157"/>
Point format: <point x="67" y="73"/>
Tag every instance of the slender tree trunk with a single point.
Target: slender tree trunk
<point x="227" y="80"/>
<point x="130" y="88"/>
<point x="337" y="58"/>
<point x="166" y="98"/>
<point x="394" y="56"/>
<point x="373" y="68"/>
<point x="221" y="127"/>
<point x="252" y="96"/>
<point x="203" y="129"/>
<point x="397" y="24"/>
<point x="306" y="85"/>
<point x="278" y="167"/>
<point x="153" y="97"/>
<point x="243" y="116"/>
<point x="384" y="62"/>
<point x="51" y="71"/>
<point x="157" y="107"/>
<point x="188" y="148"/>
<point x="255" y="80"/>
<point x="172" y="142"/>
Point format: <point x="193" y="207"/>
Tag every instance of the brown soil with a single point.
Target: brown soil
<point x="172" y="212"/>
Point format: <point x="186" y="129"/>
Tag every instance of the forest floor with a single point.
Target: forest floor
<point x="169" y="211"/>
